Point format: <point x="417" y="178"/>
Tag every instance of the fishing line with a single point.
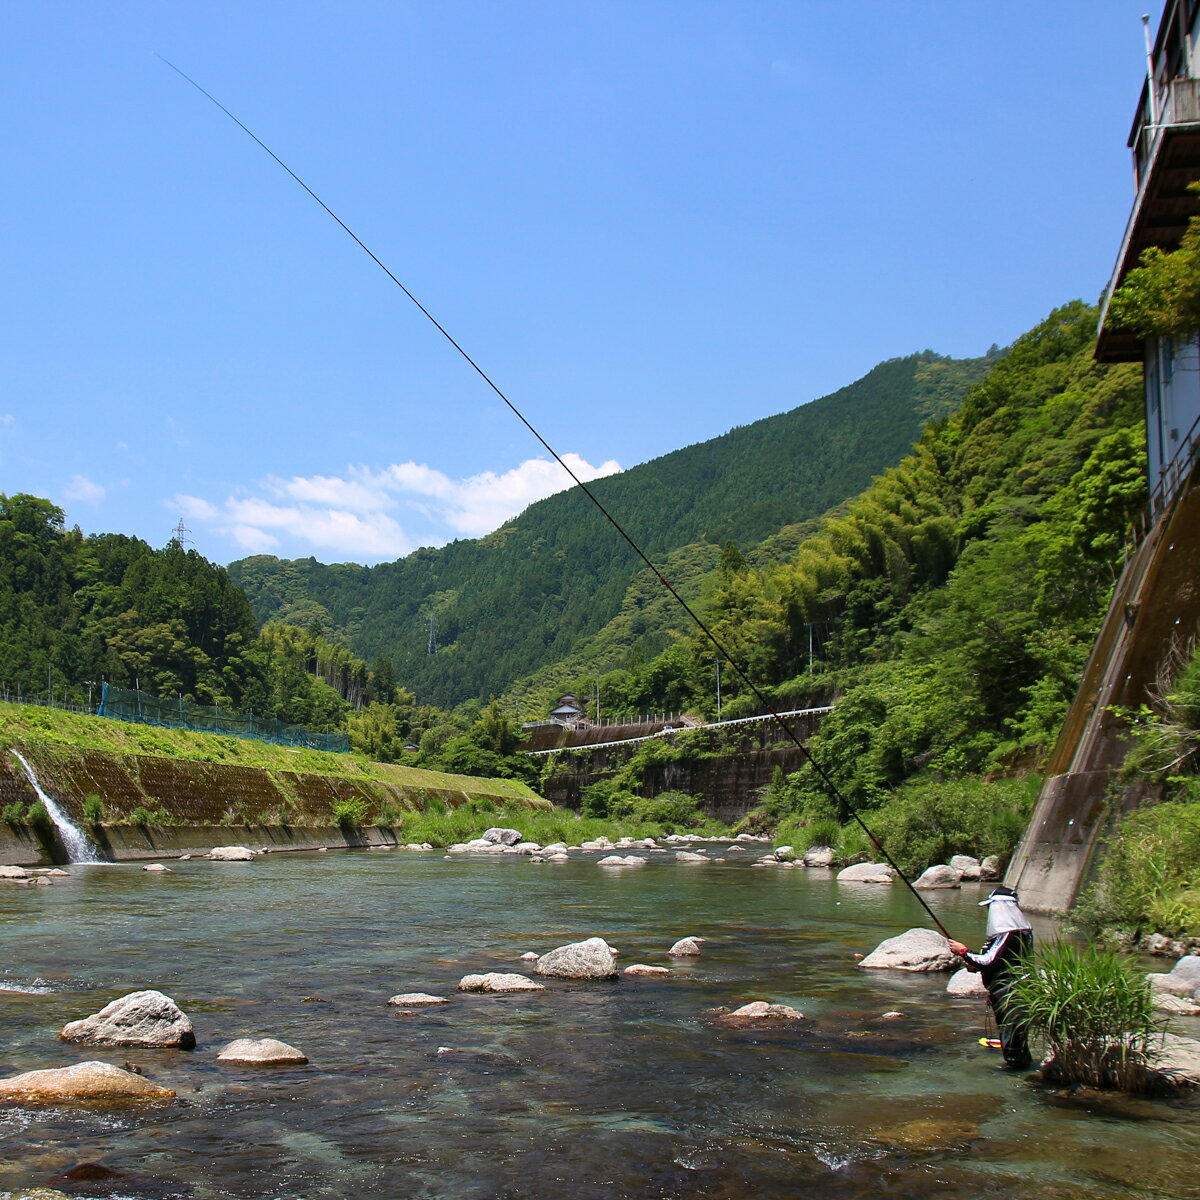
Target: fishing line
<point x="828" y="783"/>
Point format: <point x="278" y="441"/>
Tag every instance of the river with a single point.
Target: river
<point x="609" y="1090"/>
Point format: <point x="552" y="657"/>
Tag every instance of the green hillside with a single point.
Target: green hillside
<point x="525" y="596"/>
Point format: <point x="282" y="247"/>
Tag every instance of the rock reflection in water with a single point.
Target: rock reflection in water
<point x="613" y="1089"/>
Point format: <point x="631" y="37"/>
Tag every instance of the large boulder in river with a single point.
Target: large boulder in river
<point x="503" y="837"/>
<point x="261" y="1052"/>
<point x="1168" y="984"/>
<point x="966" y="984"/>
<point x="81" y="1082"/>
<point x="232" y="854"/>
<point x="590" y="959"/>
<point x="627" y="860"/>
<point x="916" y="950"/>
<point x="147" y="1019"/>
<point x="497" y="981"/>
<point x="866" y="873"/>
<point x="1188" y="969"/>
<point x="762" y="1010"/>
<point x="939" y="877"/>
<point x="989" y="868"/>
<point x="969" y="867"/>
<point x="818" y="856"/>
<point x="687" y="947"/>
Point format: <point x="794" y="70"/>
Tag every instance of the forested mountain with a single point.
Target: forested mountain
<point x="525" y="596"/>
<point x="77" y="611"/>
<point x="957" y="597"/>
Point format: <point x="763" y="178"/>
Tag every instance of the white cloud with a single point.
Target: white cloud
<point x="6" y="418"/>
<point x="350" y="515"/>
<point x="82" y="488"/>
<point x="194" y="507"/>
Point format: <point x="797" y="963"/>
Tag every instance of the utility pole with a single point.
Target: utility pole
<point x="432" y="649"/>
<point x="717" y="660"/>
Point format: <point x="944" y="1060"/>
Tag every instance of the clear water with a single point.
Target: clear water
<point x="620" y="1089"/>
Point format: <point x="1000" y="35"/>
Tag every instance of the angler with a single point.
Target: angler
<point x="1008" y="945"/>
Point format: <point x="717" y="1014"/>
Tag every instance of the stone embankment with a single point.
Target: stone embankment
<point x="210" y="803"/>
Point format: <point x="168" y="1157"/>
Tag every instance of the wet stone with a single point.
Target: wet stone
<point x="148" y="1019"/>
<point x="496" y="981"/>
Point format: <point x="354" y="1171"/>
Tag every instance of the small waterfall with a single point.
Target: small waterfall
<point x="76" y="843"/>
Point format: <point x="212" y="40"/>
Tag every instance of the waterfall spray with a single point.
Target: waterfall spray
<point x="76" y="843"/>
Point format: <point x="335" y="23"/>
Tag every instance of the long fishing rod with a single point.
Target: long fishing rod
<point x="700" y="624"/>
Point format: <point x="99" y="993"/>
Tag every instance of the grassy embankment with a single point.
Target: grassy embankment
<point x="419" y="805"/>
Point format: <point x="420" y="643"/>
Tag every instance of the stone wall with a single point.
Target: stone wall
<point x="207" y="804"/>
<point x="727" y="768"/>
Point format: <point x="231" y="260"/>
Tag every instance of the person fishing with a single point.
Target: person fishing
<point x="1009" y="942"/>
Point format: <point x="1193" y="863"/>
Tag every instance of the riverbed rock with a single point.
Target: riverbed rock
<point x="590" y="959"/>
<point x="600" y="843"/>
<point x="13" y="873"/>
<point x="81" y="1082"/>
<point x="1188" y="969"/>
<point x="939" y="877"/>
<point x="966" y="984"/>
<point x="555" y="848"/>
<point x="231" y="854"/>
<point x="157" y="868"/>
<point x="762" y="1010"/>
<point x="866" y="873"/>
<point x="261" y="1052"/>
<point x="417" y="999"/>
<point x="688" y="947"/>
<point x="1167" y="984"/>
<point x="1177" y="1006"/>
<point x="818" y="856"/>
<point x="503" y="837"/>
<point x="628" y="860"/>
<point x="644" y="969"/>
<point x="989" y="868"/>
<point x="496" y="981"/>
<point x="558" y="856"/>
<point x="686" y="856"/>
<point x="968" y="867"/>
<point x="147" y="1018"/>
<point x="1178" y="1060"/>
<point x="915" y="950"/>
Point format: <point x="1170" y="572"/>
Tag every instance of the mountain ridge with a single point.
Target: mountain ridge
<point x="501" y="606"/>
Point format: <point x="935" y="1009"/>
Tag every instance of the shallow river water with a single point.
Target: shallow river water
<point x="621" y="1089"/>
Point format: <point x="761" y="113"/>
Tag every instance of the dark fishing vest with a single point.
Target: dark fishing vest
<point x="999" y="955"/>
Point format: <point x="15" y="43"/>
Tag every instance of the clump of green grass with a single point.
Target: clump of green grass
<point x="1095" y="1012"/>
<point x="351" y="812"/>
<point x="93" y="809"/>
<point x="145" y="816"/>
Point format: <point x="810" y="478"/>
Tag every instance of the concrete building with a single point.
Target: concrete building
<point x="1165" y="144"/>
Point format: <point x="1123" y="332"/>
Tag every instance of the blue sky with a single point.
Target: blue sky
<point x="648" y="221"/>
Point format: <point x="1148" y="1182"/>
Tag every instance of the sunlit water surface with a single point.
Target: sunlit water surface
<point x="586" y="1090"/>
